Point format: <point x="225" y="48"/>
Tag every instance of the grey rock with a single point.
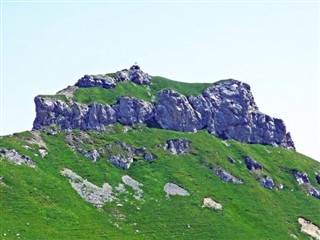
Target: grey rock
<point x="121" y="161"/>
<point x="301" y="177"/>
<point x="318" y="178"/>
<point x="102" y="81"/>
<point x="313" y="191"/>
<point x="267" y="182"/>
<point x="135" y="185"/>
<point x="178" y="146"/>
<point x="226" y="176"/>
<point x="56" y="112"/>
<point x="88" y="191"/>
<point x="134" y="74"/>
<point x="131" y="110"/>
<point x="172" y="189"/>
<point x="18" y="159"/>
<point x="93" y="155"/>
<point x="252" y="164"/>
<point x="173" y="111"/>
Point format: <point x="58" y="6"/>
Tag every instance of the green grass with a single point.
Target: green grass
<point x="40" y="203"/>
<point x="57" y="96"/>
<point x="144" y="92"/>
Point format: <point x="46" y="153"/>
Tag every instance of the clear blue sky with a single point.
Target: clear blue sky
<point x="274" y="47"/>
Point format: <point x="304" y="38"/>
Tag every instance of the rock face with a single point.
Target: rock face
<point x="102" y="81"/>
<point x="178" y="146"/>
<point x="226" y="176"/>
<point x="252" y="164"/>
<point x="226" y="109"/>
<point x="173" y="111"/>
<point x="267" y="182"/>
<point x="16" y="158"/>
<point x="131" y="111"/>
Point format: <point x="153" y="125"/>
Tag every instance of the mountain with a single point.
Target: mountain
<point x="127" y="155"/>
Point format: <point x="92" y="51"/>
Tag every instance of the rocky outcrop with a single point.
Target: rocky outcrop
<point x="267" y="182"/>
<point x="173" y="111"/>
<point x="134" y="74"/>
<point x="172" y="189"/>
<point x="227" y="110"/>
<point x="309" y="228"/>
<point x="226" y="176"/>
<point x="302" y="179"/>
<point x="252" y="164"/>
<point x="178" y="146"/>
<point x="102" y="81"/>
<point x="18" y="159"/>
<point x="130" y="111"/>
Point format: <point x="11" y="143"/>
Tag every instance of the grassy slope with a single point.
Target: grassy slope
<point x="44" y="199"/>
<point x="144" y="92"/>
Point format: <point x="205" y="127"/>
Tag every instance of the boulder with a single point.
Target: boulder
<point x="121" y="161"/>
<point x="210" y="203"/>
<point x="231" y="160"/>
<point x="173" y="111"/>
<point x="267" y="182"/>
<point x="318" y="178"/>
<point x="103" y="81"/>
<point x="178" y="146"/>
<point x="172" y="189"/>
<point x="252" y="164"/>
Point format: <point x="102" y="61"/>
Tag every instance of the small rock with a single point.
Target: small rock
<point x="267" y="182"/>
<point x="252" y="164"/>
<point x="43" y="152"/>
<point x="318" y="178"/>
<point x="121" y="161"/>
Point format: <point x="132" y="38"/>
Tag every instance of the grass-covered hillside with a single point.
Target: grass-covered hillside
<point x="40" y="203"/>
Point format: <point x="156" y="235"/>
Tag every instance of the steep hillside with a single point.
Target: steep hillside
<point x="141" y="181"/>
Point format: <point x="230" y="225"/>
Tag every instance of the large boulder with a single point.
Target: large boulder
<point x="252" y="164"/>
<point x="173" y="111"/>
<point x="226" y="176"/>
<point x="102" y="81"/>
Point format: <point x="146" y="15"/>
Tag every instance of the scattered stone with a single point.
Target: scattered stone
<point x="252" y="164"/>
<point x="301" y="177"/>
<point x="172" y="189"/>
<point x="102" y="81"/>
<point x="135" y="185"/>
<point x="210" y="203"/>
<point x="231" y="160"/>
<point x="309" y="228"/>
<point x="226" y="176"/>
<point x="92" y="155"/>
<point x="178" y="146"/>
<point x="43" y="152"/>
<point x="267" y="182"/>
<point x="313" y="191"/>
<point x="88" y="191"/>
<point x="18" y="159"/>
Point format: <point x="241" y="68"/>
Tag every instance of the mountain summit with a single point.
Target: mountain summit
<point x="128" y="155"/>
<point x="226" y="109"/>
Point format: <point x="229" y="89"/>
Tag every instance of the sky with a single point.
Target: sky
<point x="271" y="45"/>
